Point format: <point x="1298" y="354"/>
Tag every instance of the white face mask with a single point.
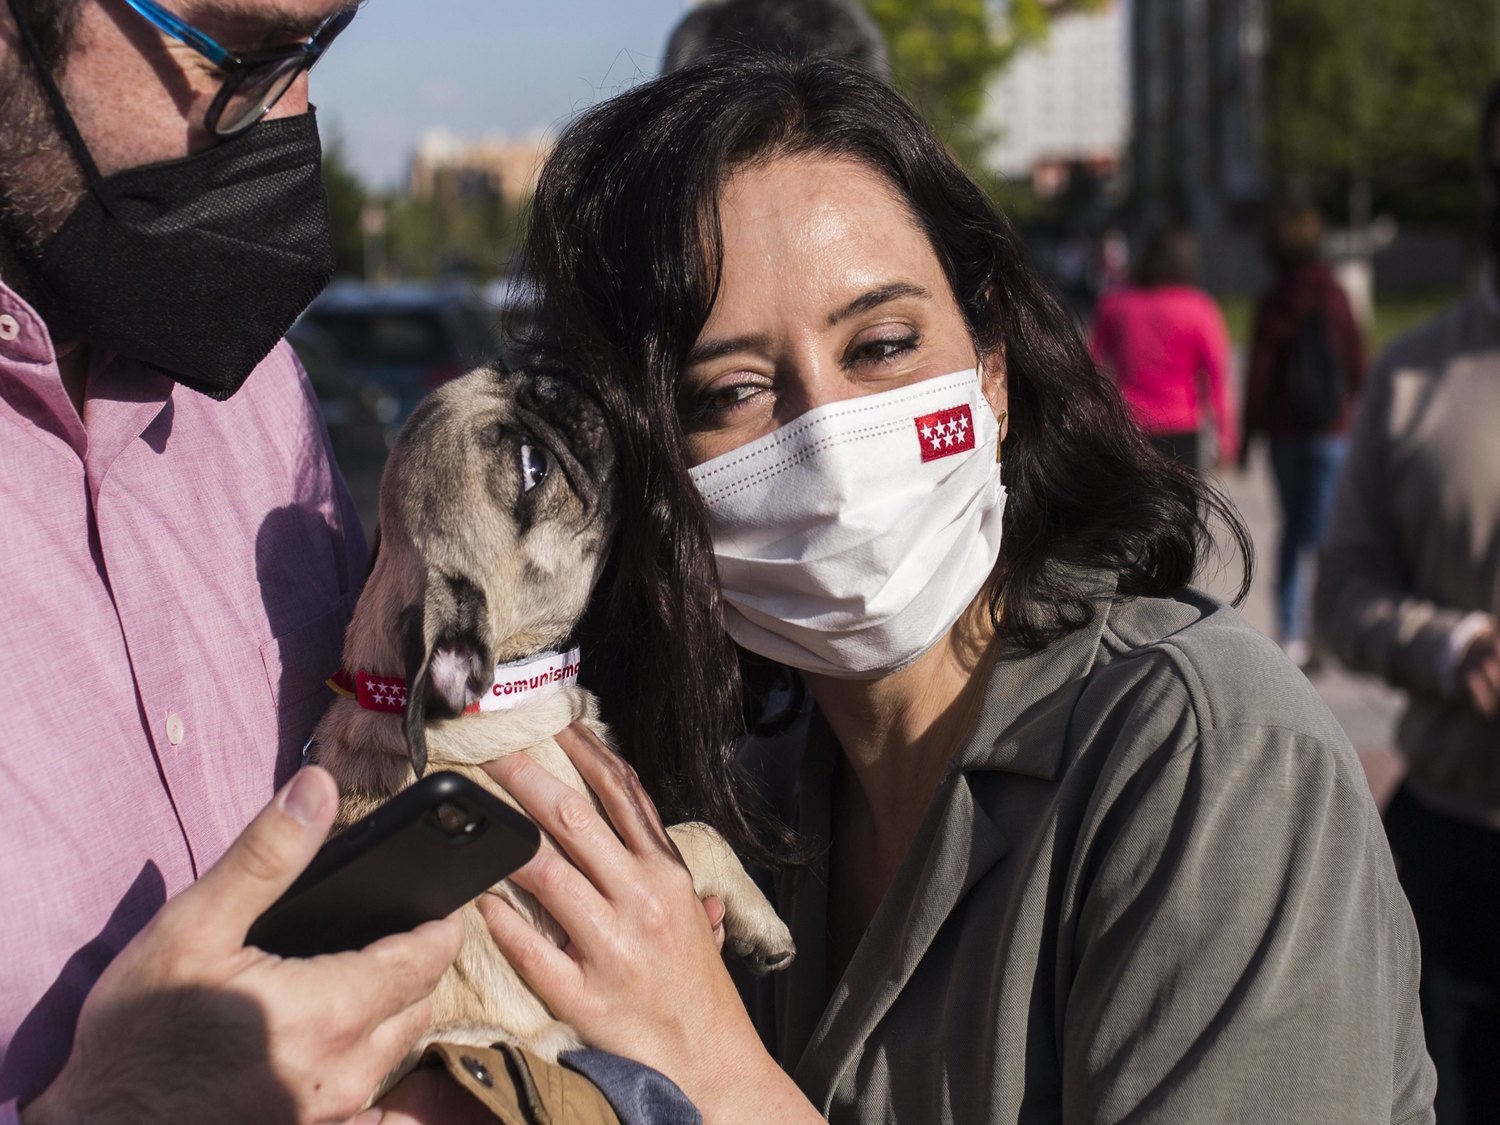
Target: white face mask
<point x="850" y="540"/>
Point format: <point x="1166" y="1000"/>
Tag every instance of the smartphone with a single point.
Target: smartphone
<point x="420" y="856"/>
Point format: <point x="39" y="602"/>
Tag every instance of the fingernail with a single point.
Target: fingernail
<point x="303" y="798"/>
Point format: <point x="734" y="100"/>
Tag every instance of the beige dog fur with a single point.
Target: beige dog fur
<point x="481" y="560"/>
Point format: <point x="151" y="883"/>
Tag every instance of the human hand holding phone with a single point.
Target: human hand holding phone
<point x="191" y="1024"/>
<point x="438" y="844"/>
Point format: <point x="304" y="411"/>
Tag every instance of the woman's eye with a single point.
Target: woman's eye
<point x="721" y="400"/>
<point x="534" y="466"/>
<point x="884" y="348"/>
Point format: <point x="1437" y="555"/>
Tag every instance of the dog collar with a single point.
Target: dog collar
<point x="516" y="682"/>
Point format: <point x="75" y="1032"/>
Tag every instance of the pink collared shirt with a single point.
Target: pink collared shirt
<point x="177" y="574"/>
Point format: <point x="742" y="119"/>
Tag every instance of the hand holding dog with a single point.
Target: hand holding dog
<point x="641" y="975"/>
<point x="190" y="1024"/>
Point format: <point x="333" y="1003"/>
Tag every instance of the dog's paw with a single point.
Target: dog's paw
<point x="548" y="1041"/>
<point x="766" y="949"/>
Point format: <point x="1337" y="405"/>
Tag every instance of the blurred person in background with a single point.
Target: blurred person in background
<point x="795" y="29"/>
<point x="1163" y="340"/>
<point x="1114" y="259"/>
<point x="1306" y="364"/>
<point x="1409" y="588"/>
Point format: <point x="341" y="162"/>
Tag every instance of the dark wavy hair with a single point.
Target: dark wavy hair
<point x="795" y="28"/>
<point x="624" y="252"/>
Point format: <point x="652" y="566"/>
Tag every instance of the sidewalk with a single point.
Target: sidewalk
<point x="1366" y="707"/>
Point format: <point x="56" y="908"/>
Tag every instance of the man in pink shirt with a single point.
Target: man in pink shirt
<point x="179" y="560"/>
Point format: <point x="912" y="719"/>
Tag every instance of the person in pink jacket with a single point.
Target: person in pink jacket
<point x="1164" y="341"/>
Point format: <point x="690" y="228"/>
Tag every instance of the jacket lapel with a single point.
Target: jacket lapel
<point x="955" y="847"/>
<point x="1021" y="731"/>
<point x="802" y="898"/>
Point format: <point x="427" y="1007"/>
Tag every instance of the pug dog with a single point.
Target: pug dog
<point x="496" y="513"/>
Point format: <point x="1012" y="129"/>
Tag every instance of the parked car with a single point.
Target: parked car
<point x="513" y="307"/>
<point x="406" y="339"/>
<point x="360" y="417"/>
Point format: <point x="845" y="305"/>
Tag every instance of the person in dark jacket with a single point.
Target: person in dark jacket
<point x="1307" y="361"/>
<point x="1409" y="590"/>
<point x="795" y="29"/>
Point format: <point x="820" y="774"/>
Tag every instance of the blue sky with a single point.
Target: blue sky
<point x="477" y="67"/>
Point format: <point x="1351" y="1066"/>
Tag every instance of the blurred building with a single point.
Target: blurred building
<point x="1064" y="102"/>
<point x="454" y="170"/>
<point x="1196" y="115"/>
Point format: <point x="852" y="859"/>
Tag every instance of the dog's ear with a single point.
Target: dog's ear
<point x="448" y="655"/>
<point x="414" y="653"/>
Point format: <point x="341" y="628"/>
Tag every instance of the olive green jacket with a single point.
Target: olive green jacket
<point x="1152" y="886"/>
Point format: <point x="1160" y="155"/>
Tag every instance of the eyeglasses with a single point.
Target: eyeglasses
<point x="253" y="82"/>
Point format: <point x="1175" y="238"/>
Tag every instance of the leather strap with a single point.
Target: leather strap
<point x="521" y="1089"/>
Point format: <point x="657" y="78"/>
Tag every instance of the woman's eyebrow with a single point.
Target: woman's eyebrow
<point x="876" y="297"/>
<point x="714" y="349"/>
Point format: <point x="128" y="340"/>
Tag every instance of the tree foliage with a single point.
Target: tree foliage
<point x="472" y="234"/>
<point x="1383" y="93"/>
<point x="945" y="53"/>
<point x="346" y="200"/>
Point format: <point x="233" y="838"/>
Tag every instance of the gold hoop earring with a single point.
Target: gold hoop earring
<point x="1002" y="419"/>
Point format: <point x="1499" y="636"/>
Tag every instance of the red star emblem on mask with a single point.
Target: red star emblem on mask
<point x="945" y="432"/>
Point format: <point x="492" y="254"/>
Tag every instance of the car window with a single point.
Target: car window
<point x="480" y="333"/>
<point x="326" y="379"/>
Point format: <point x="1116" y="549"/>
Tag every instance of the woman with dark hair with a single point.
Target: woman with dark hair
<point x="1164" y="341"/>
<point x="1059" y="838"/>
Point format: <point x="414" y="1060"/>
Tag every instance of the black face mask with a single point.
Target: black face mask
<point x="195" y="266"/>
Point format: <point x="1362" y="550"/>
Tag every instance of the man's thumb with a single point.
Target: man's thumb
<point x="266" y="858"/>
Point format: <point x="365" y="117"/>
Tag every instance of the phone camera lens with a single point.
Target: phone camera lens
<point x="454" y="819"/>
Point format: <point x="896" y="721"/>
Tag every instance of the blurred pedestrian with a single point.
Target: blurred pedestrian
<point x="1114" y="259"/>
<point x="1164" y="341"/>
<point x="795" y="29"/>
<point x="1306" y="364"/>
<point x="1409" y="588"/>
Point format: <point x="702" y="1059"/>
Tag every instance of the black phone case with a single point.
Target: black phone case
<point x="397" y="868"/>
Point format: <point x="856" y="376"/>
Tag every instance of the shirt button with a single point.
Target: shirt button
<point x="10" y="327"/>
<point x="174" y="728"/>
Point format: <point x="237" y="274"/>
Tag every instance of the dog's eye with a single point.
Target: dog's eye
<point x="534" y="466"/>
